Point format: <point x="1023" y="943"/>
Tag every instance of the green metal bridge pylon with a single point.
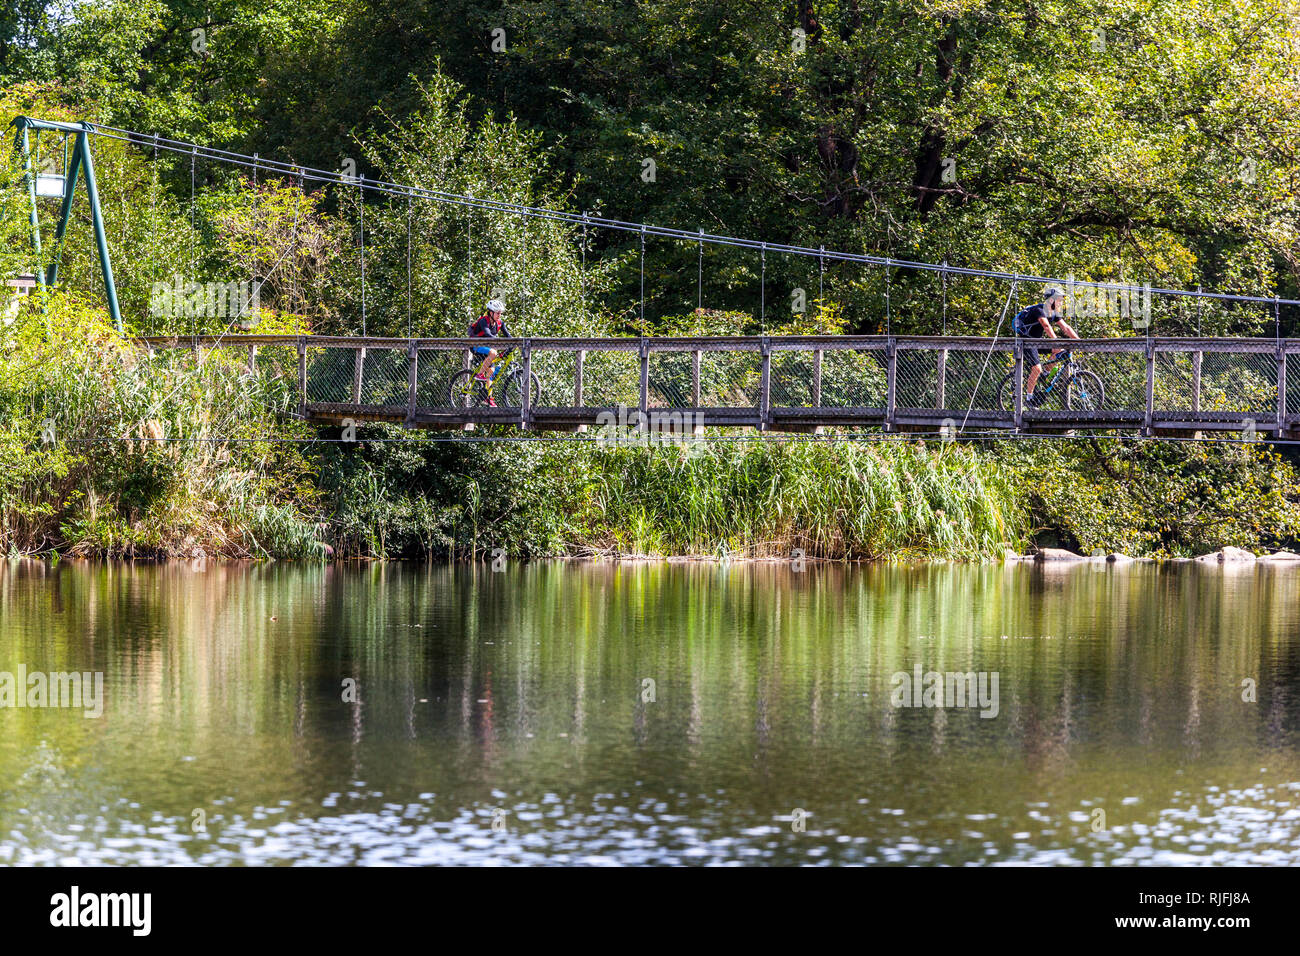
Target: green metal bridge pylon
<point x="78" y="162"/>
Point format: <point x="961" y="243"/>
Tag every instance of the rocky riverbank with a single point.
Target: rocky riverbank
<point x="1226" y="556"/>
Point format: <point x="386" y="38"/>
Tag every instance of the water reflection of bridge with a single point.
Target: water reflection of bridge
<point x="1152" y="386"/>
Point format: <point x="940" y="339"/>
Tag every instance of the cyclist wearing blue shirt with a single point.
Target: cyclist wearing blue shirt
<point x="491" y="324"/>
<point x="1035" y="322"/>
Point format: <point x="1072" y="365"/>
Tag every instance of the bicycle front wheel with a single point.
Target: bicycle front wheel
<point x="513" y="393"/>
<point x="1085" y="392"/>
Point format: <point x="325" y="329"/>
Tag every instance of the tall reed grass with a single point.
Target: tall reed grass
<point x="769" y="496"/>
<point x="108" y="450"/>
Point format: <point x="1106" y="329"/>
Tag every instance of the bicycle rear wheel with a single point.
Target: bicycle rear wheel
<point x="1085" y="392"/>
<point x="1007" y="393"/>
<point x="466" y="391"/>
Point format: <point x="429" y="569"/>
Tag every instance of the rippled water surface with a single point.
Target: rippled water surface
<point x="652" y="714"/>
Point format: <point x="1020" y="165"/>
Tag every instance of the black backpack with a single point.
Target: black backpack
<point x="1020" y="323"/>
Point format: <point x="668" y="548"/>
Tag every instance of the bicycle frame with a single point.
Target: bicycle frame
<point x="1066" y="361"/>
<point x="1079" y="385"/>
<point x="499" y="366"/>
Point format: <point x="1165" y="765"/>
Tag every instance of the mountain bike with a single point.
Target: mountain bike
<point x="1072" y="387"/>
<point x="505" y="384"/>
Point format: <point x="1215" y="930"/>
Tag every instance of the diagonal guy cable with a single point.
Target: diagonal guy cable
<point x="989" y="354"/>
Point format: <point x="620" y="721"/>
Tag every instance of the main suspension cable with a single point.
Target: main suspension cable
<point x="574" y="219"/>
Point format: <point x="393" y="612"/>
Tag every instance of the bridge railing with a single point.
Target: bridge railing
<point x="788" y="382"/>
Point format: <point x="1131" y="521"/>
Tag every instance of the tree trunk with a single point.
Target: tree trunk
<point x="808" y="19"/>
<point x="930" y="150"/>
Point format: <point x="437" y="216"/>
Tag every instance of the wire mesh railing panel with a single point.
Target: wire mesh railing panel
<point x="791" y="384"/>
<point x="276" y="376"/>
<point x="556" y="373"/>
<point x="270" y="377"/>
<point x="223" y="374"/>
<point x="173" y="360"/>
<point x="330" y="372"/>
<point x="1293" y="384"/>
<point x="1123" y="377"/>
<point x="1240" y="382"/>
<point x="1174" y="385"/>
<point x="972" y="378"/>
<point x="385" y="377"/>
<point x="434" y="371"/>
<point x="671" y="380"/>
<point x="730" y="379"/>
<point x="611" y="378"/>
<point x="916" y="382"/>
<point x="854" y="378"/>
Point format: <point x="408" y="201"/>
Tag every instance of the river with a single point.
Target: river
<point x="652" y="713"/>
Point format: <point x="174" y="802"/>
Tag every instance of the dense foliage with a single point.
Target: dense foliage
<point x="720" y="498"/>
<point x="108" y="449"/>
<point x="1154" y="140"/>
<point x="1145" y="140"/>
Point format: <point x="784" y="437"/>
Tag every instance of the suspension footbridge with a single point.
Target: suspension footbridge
<point x="1148" y="385"/>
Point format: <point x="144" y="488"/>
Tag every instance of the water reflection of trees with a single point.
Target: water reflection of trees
<point x="754" y="666"/>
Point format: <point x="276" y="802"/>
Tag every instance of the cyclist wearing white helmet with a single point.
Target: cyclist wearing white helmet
<point x="1035" y="322"/>
<point x="491" y="324"/>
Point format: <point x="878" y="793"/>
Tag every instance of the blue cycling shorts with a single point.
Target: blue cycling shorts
<point x="482" y="351"/>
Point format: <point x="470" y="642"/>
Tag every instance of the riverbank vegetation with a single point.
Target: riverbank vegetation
<point x="109" y="449"/>
<point x="725" y="497"/>
<point x="1161" y="147"/>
